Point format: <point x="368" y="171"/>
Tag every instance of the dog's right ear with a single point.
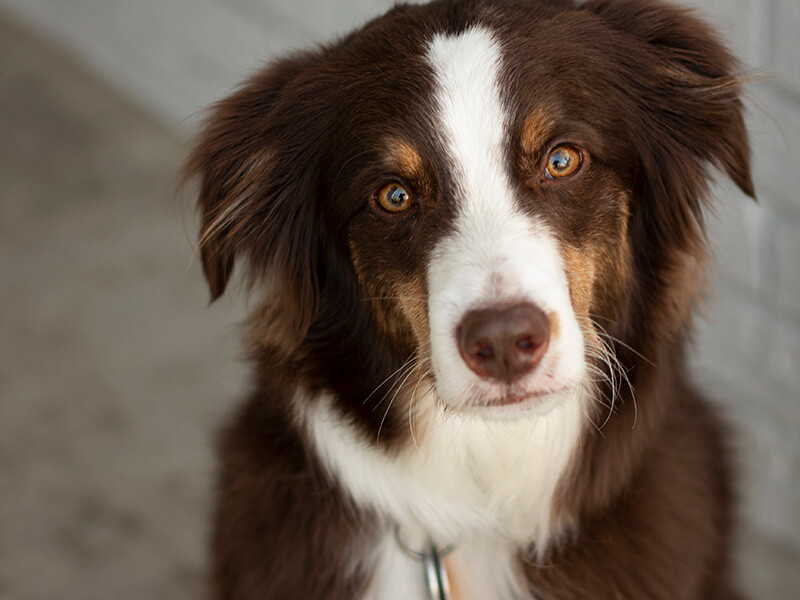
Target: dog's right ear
<point x="257" y="187"/>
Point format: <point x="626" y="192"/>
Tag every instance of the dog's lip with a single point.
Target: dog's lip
<point x="515" y="398"/>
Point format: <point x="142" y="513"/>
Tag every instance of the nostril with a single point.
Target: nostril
<point x="484" y="351"/>
<point x="525" y="344"/>
<point x="503" y="343"/>
<point x="475" y="353"/>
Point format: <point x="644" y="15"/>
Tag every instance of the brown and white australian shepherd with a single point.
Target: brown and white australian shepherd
<point x="476" y="232"/>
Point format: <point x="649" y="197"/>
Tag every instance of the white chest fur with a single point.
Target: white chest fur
<point x="487" y="487"/>
<point x="480" y="567"/>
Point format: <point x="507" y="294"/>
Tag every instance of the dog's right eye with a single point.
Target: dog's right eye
<point x="564" y="161"/>
<point x="394" y="198"/>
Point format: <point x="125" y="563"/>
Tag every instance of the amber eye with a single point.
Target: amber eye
<point x="394" y="198"/>
<point x="563" y="162"/>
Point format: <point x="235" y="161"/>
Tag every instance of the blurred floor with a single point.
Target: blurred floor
<point x="113" y="371"/>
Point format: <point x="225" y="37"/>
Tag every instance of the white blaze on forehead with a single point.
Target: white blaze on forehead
<point x="495" y="254"/>
<point x="473" y="118"/>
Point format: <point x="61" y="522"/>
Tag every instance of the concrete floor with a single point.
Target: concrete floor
<point x="113" y="370"/>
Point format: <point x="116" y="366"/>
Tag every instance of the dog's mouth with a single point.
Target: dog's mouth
<point x="515" y="401"/>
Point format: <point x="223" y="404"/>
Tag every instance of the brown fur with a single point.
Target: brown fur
<point x="287" y="166"/>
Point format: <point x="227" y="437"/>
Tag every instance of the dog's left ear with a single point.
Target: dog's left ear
<point x="255" y="159"/>
<point x="690" y="114"/>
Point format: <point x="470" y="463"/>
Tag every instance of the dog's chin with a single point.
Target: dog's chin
<point x="517" y="405"/>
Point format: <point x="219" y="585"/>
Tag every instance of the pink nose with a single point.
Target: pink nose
<point x="504" y="343"/>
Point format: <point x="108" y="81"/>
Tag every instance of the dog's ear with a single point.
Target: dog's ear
<point x="689" y="112"/>
<point x="258" y="186"/>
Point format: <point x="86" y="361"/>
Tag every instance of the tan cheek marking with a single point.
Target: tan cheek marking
<point x="395" y="305"/>
<point x="356" y="260"/>
<point x="614" y="263"/>
<point x="581" y="269"/>
<point x="377" y="297"/>
<point x="412" y="301"/>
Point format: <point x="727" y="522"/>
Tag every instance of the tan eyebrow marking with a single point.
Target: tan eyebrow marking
<point x="405" y="156"/>
<point x="536" y="127"/>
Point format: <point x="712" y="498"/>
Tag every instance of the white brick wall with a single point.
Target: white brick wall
<point x="786" y="49"/>
<point x="177" y="56"/>
<point x="748" y="348"/>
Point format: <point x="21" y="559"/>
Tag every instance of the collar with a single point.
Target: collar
<point x="437" y="582"/>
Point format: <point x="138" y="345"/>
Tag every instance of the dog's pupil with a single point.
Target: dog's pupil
<point x="560" y="161"/>
<point x="398" y="197"/>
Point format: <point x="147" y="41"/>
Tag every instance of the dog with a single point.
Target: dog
<point x="474" y="232"/>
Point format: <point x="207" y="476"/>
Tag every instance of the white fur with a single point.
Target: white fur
<point x="496" y="254"/>
<point x="479" y="568"/>
<point x="486" y="486"/>
<point x="483" y="484"/>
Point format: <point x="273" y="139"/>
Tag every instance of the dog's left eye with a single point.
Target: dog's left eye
<point x="563" y="161"/>
<point x="394" y="198"/>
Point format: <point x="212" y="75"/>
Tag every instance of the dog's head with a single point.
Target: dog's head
<point x="502" y="191"/>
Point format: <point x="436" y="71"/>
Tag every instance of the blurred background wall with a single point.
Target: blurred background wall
<point x="171" y="58"/>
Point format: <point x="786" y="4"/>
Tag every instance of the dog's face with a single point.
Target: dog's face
<point x="481" y="215"/>
<point x="502" y="192"/>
